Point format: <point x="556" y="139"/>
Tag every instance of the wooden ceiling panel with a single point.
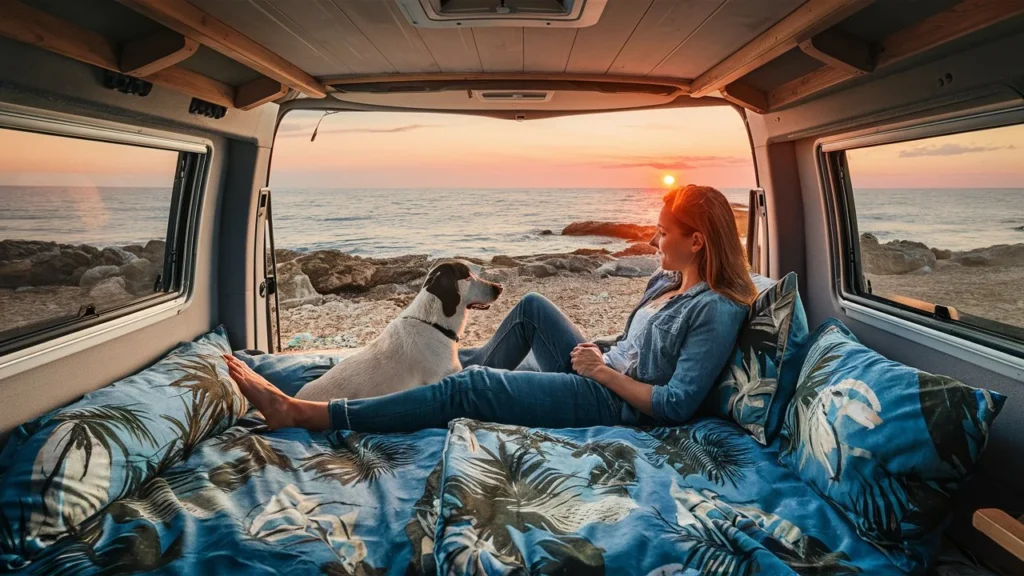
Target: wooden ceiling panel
<point x="454" y="49"/>
<point x="323" y="23"/>
<point x="501" y="49"/>
<point x="263" y="23"/>
<point x="392" y="35"/>
<point x="547" y="49"/>
<point x="724" y="33"/>
<point x="597" y="46"/>
<point x="667" y="24"/>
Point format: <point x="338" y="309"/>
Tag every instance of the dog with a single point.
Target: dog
<point x="418" y="347"/>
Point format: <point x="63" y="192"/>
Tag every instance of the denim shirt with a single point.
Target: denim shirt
<point x="684" y="346"/>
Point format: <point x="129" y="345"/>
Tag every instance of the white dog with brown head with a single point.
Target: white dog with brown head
<point x="419" y="347"/>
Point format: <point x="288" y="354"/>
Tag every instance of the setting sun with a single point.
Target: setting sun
<point x="668" y="179"/>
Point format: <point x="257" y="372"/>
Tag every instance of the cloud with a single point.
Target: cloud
<point x="948" y="150"/>
<point x="306" y="128"/>
<point x="680" y="162"/>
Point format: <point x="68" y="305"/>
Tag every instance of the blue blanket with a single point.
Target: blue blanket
<point x="475" y="499"/>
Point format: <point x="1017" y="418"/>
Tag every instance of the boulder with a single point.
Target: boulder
<point x="421" y="260"/>
<point x="546" y="232"/>
<point x="537" y="270"/>
<point x="941" y="254"/>
<point x="283" y="255"/>
<point x="109" y="292"/>
<point x="896" y="257"/>
<point x="386" y="291"/>
<point x="502" y="260"/>
<point x="15" y="273"/>
<point x="499" y="275"/>
<point x="296" y="290"/>
<point x="610" y="229"/>
<point x="136" y="249"/>
<point x="140" y="276"/>
<point x="629" y="267"/>
<point x="23" y="249"/>
<point x="591" y="252"/>
<point x="333" y="271"/>
<point x="154" y="251"/>
<point x="383" y="275"/>
<point x="94" y="276"/>
<point x="114" y="256"/>
<point x="637" y="249"/>
<point x="998" y="255"/>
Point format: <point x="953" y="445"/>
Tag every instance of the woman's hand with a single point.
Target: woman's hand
<point x="587" y="360"/>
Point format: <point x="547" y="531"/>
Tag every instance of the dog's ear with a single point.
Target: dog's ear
<point x="443" y="282"/>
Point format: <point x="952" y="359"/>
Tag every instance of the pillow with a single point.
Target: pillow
<point x="887" y="444"/>
<point x="75" y="461"/>
<point x="758" y="382"/>
<point x="289" y="372"/>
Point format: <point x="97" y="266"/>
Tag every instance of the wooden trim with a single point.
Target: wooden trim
<point x="841" y="51"/>
<point x="964" y="18"/>
<point x="1002" y="528"/>
<point x="26" y="24"/>
<point x="188" y="82"/>
<point x="747" y="96"/>
<point x="813" y="17"/>
<point x="258" y="92"/>
<point x="144" y="56"/>
<point x="185" y="18"/>
<point x="683" y="86"/>
<point x="808" y="84"/>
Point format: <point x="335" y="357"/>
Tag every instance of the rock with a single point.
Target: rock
<point x="557" y="263"/>
<point x="94" y="276"/>
<point x="284" y="255"/>
<point x="23" y="289"/>
<point x="333" y="271"/>
<point x="546" y="232"/>
<point x="140" y="276"/>
<point x="154" y="251"/>
<point x="629" y="267"/>
<point x="941" y="254"/>
<point x="15" y="273"/>
<point x="385" y="291"/>
<point x="23" y="249"/>
<point x="502" y="260"/>
<point x="499" y="275"/>
<point x="110" y="291"/>
<point x="896" y="257"/>
<point x="296" y="290"/>
<point x="537" y="270"/>
<point x="383" y="275"/>
<point x="114" y="256"/>
<point x="421" y="260"/>
<point x="465" y="259"/>
<point x="136" y="249"/>
<point x="579" y="264"/>
<point x="638" y="249"/>
<point x="591" y="252"/>
<point x="998" y="255"/>
<point x="611" y="229"/>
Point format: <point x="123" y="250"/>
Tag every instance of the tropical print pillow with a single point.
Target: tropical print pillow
<point x="289" y="372"/>
<point x="73" y="462"/>
<point x="887" y="443"/>
<point x="758" y="382"/>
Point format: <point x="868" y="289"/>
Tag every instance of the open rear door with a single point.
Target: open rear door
<point x="267" y="333"/>
<point x="757" y="232"/>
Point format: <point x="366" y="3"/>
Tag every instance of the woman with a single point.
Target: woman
<point x="676" y="342"/>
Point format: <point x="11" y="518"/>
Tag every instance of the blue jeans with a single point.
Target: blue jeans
<point x="489" y="390"/>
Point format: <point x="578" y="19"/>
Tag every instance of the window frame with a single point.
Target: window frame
<point x="933" y="328"/>
<point x="53" y="341"/>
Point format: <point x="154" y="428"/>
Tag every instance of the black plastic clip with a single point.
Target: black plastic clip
<point x="208" y="109"/>
<point x="126" y="84"/>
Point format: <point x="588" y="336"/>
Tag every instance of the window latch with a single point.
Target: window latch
<point x="86" y="310"/>
<point x="271" y="285"/>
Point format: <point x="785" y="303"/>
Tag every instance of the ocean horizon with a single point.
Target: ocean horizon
<point x="481" y="222"/>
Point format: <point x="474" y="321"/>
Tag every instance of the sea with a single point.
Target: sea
<point x="482" y="223"/>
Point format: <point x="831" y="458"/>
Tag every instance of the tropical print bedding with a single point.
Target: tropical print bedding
<point x="477" y="498"/>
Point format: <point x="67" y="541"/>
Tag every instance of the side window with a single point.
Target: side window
<point x="89" y="230"/>
<point x="938" y="225"/>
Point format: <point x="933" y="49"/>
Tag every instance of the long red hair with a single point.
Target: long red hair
<point x="721" y="262"/>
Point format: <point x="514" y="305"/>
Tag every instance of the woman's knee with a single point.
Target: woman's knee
<point x="534" y="304"/>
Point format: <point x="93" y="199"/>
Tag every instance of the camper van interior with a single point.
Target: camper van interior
<point x="215" y="214"/>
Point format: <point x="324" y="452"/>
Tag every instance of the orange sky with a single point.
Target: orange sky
<point x="420" y="150"/>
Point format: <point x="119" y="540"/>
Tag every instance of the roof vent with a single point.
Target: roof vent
<point x="519" y="13"/>
<point x="517" y="96"/>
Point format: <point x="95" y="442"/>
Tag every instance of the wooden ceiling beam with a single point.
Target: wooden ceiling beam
<point x="840" y="51"/>
<point x="809" y="19"/>
<point x="965" y="18"/>
<point x="28" y="25"/>
<point x="258" y="92"/>
<point x="745" y="95"/>
<point x="148" y="54"/>
<point x="185" y="18"/>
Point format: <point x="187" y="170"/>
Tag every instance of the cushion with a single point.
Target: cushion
<point x="758" y="382"/>
<point x="289" y="372"/>
<point x="886" y="443"/>
<point x="73" y="462"/>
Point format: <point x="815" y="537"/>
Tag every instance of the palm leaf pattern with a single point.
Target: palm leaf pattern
<point x="716" y="453"/>
<point x="709" y="548"/>
<point x="617" y="470"/>
<point x="213" y="404"/>
<point x="807" y="389"/>
<point x="258" y="453"/>
<point x="953" y="414"/>
<point x="421" y="526"/>
<point x="138" y="550"/>
<point x="360" y="458"/>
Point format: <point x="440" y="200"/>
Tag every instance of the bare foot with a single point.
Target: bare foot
<point x="267" y="398"/>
